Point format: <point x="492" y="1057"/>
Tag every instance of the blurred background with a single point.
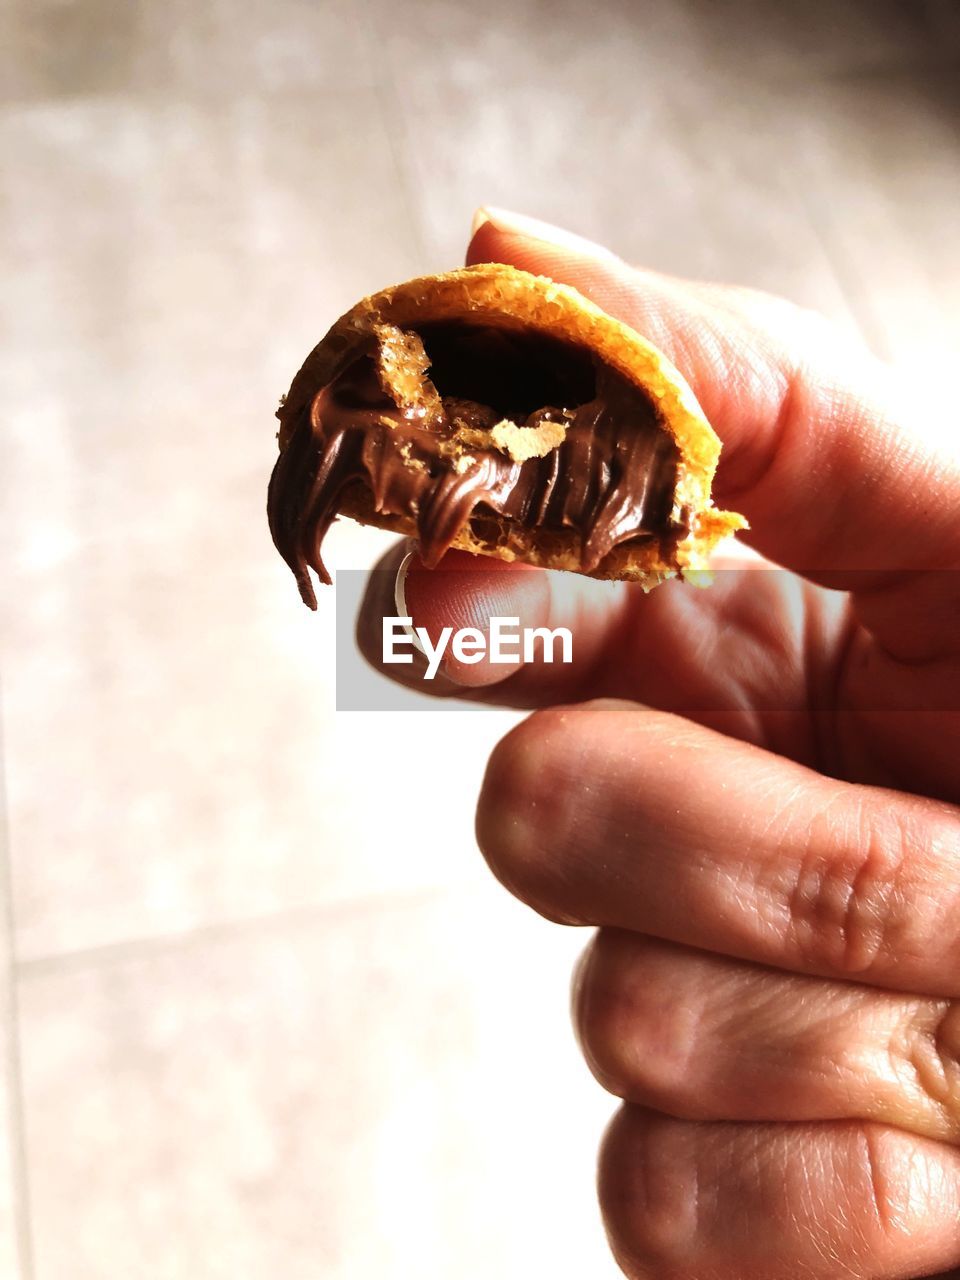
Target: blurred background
<point x="255" y="1020"/>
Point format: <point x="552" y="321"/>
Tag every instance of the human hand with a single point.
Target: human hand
<point x="753" y="790"/>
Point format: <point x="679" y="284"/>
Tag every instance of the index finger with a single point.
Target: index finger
<point x="832" y="478"/>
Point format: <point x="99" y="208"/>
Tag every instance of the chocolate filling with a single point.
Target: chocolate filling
<point x="611" y="478"/>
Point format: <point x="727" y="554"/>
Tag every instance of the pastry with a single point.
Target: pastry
<point x="504" y="414"/>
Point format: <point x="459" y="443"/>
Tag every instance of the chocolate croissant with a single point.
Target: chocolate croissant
<point x="504" y="414"/>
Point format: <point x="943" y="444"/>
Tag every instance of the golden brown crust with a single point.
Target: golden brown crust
<point x="499" y="295"/>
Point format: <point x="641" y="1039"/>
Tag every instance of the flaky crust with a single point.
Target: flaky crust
<point x="494" y="294"/>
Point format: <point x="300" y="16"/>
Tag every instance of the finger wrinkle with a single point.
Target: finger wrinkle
<point x="912" y="1184"/>
<point x="882" y="1202"/>
<point x="846" y="908"/>
<point x="753" y="460"/>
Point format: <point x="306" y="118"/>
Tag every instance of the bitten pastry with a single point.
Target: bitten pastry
<point x="504" y="414"/>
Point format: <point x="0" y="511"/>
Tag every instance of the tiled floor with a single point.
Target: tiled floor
<point x="251" y="1023"/>
<point x="327" y="1094"/>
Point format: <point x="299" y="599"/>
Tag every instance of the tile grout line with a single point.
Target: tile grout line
<point x="133" y="949"/>
<point x="17" y="1155"/>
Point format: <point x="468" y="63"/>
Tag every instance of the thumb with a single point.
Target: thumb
<point x="472" y="594"/>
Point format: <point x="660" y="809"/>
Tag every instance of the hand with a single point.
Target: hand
<point x="760" y="811"/>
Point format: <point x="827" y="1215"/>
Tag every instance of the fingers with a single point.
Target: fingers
<point x="798" y="453"/>
<point x="611" y="814"/>
<point x="833" y="479"/>
<point x="685" y="1201"/>
<point x="700" y="1036"/>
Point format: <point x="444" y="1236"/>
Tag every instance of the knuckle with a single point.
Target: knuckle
<point x="649" y="1193"/>
<point x="848" y="910"/>
<point x="930" y="1058"/>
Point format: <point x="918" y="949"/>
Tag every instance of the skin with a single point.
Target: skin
<point x="753" y="791"/>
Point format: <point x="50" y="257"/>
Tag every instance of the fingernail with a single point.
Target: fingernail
<point x="534" y="228"/>
<point x="480" y="218"/>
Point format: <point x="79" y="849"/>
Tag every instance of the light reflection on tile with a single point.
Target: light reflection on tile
<point x="13" y="1210"/>
<point x="386" y="1092"/>
<point x="183" y="756"/>
<point x="200" y="774"/>
<point x="11" y="1201"/>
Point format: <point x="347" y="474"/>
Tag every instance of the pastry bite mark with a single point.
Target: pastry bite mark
<point x="503" y="414"/>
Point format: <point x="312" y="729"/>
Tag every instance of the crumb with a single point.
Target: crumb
<point x="521" y="443"/>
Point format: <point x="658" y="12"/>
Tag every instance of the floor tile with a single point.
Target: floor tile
<point x="661" y="161"/>
<point x="390" y="1092"/>
<point x="12" y="1234"/>
<point x="166" y="255"/>
<point x="807" y="38"/>
<point x="877" y="162"/>
<point x="942" y="19"/>
<point x="169" y="702"/>
<point x="13" y="1225"/>
<point x="185" y="762"/>
<point x="180" y="48"/>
